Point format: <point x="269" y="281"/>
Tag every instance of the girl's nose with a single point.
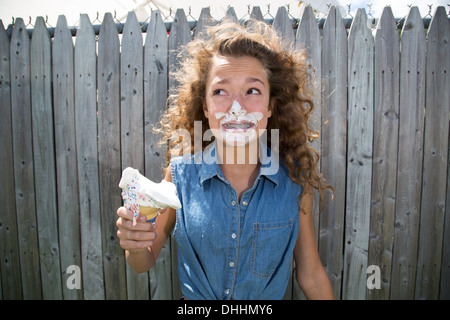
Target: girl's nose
<point x="236" y="109"/>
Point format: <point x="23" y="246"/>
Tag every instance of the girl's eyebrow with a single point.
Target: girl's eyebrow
<point x="248" y="80"/>
<point x="251" y="80"/>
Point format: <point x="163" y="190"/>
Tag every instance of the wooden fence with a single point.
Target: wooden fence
<point x="75" y="111"/>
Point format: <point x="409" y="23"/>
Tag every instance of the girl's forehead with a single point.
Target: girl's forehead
<point x="226" y="68"/>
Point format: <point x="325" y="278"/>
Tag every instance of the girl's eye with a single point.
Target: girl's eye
<point x="253" y="91"/>
<point x="218" y="92"/>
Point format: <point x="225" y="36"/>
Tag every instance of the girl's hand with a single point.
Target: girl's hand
<point x="138" y="238"/>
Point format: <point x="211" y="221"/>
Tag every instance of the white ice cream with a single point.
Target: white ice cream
<point x="138" y="191"/>
<point x="237" y="125"/>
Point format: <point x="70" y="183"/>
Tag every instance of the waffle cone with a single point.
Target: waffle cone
<point x="149" y="212"/>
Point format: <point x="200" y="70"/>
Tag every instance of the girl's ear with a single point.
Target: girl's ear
<point x="271" y="105"/>
<point x="205" y="110"/>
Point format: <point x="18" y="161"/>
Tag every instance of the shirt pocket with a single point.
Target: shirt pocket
<point x="269" y="241"/>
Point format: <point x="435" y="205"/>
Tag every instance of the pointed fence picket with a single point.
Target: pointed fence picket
<point x="435" y="150"/>
<point x="10" y="261"/>
<point x="44" y="161"/>
<point x="66" y="152"/>
<point x="359" y="156"/>
<point x="385" y="144"/>
<point x="410" y="154"/>
<point x="177" y="39"/>
<point x="23" y="161"/>
<point x="87" y="152"/>
<point x="80" y="107"/>
<point x="334" y="146"/>
<point x="109" y="157"/>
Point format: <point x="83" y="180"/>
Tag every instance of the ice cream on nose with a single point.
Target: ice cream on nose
<point x="143" y="196"/>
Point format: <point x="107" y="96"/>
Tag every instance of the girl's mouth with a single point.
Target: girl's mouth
<point x="238" y="125"/>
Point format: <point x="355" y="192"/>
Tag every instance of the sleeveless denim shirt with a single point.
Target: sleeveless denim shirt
<point x="229" y="249"/>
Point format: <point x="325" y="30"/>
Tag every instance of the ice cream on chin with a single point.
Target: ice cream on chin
<point x="143" y="196"/>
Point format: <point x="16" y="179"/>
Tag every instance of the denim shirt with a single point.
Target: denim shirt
<point x="229" y="249"/>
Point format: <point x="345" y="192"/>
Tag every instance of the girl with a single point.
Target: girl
<point x="246" y="207"/>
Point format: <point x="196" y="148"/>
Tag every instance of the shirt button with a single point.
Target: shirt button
<point x="245" y="203"/>
<point x="233" y="203"/>
<point x="231" y="264"/>
<point x="227" y="292"/>
<point x="233" y="235"/>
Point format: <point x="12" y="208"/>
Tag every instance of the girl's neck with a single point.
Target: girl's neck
<point x="240" y="165"/>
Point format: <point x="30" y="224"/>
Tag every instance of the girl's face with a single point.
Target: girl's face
<point x="237" y="99"/>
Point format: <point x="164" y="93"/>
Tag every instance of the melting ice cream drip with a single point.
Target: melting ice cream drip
<point x="238" y="125"/>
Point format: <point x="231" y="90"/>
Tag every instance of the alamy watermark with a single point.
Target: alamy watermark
<point x="74" y="279"/>
<point x="374" y="280"/>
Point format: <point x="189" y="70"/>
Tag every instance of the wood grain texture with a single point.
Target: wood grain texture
<point x="155" y="96"/>
<point x="308" y="39"/>
<point x="44" y="161"/>
<point x="132" y="122"/>
<point x="437" y="106"/>
<point x="385" y="148"/>
<point x="334" y="145"/>
<point x="179" y="36"/>
<point x="410" y="152"/>
<point x="359" y="156"/>
<point x="23" y="161"/>
<point x="66" y="156"/>
<point x="109" y="157"/>
<point x="87" y="153"/>
<point x="9" y="245"/>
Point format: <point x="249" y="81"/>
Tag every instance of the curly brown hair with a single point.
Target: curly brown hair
<point x="290" y="91"/>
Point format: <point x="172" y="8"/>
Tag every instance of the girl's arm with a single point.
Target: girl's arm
<point x="143" y="242"/>
<point x="310" y="274"/>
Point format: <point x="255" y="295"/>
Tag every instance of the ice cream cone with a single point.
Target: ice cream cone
<point x="146" y="197"/>
<point x="149" y="212"/>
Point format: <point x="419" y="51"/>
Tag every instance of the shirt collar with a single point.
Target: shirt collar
<point x="210" y="164"/>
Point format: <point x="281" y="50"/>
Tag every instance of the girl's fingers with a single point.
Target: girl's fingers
<point x="132" y="244"/>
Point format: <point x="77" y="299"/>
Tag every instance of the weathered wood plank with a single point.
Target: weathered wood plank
<point x="44" y="161"/>
<point x="110" y="171"/>
<point x="409" y="168"/>
<point x="334" y="142"/>
<point x="205" y="20"/>
<point x="155" y="93"/>
<point x="437" y="106"/>
<point x="66" y="157"/>
<point x="284" y="30"/>
<point x="9" y="246"/>
<point x="86" y="138"/>
<point x="155" y="96"/>
<point x="283" y="26"/>
<point x="385" y="146"/>
<point x="230" y="15"/>
<point x="132" y="123"/>
<point x="23" y="161"/>
<point x="256" y="13"/>
<point x="359" y="156"/>
<point x="308" y="38"/>
<point x="179" y="36"/>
